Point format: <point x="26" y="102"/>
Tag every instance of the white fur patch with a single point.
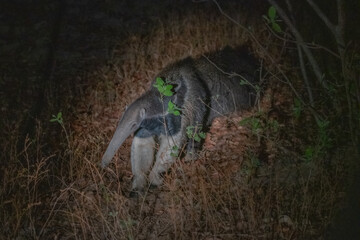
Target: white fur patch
<point x="142" y="157"/>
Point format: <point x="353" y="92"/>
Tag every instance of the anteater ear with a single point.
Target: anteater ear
<point x="142" y="113"/>
<point x="176" y="87"/>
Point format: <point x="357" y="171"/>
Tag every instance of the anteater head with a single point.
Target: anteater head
<point x="130" y="121"/>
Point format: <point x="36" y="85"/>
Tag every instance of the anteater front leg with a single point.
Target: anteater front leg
<point x="196" y="126"/>
<point x="164" y="158"/>
<point x="142" y="156"/>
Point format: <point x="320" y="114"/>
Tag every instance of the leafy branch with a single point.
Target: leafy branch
<point x="272" y="19"/>
<point x="175" y="151"/>
<point x="166" y="89"/>
<point x="57" y="118"/>
<point x="173" y="109"/>
<point x="195" y="132"/>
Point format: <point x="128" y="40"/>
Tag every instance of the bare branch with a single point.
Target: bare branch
<point x="230" y="18"/>
<point x="340" y="28"/>
<point x="301" y="60"/>
<point x="337" y="30"/>
<point x="323" y="17"/>
<point x="299" y="38"/>
<point x="341" y="16"/>
<point x="305" y="76"/>
<point x="309" y="45"/>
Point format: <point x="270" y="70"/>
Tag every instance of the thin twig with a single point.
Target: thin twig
<point x="299" y="38"/>
<point x="323" y="17"/>
<point x="309" y="45"/>
<point x="341" y="17"/>
<point x="304" y="73"/>
<point x="337" y="30"/>
<point x="301" y="60"/>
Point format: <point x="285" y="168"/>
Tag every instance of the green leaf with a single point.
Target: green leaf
<point x="256" y="123"/>
<point x="168" y="87"/>
<point x="297" y="108"/>
<point x="276" y="27"/>
<point x="244" y="82"/>
<point x="173" y="109"/>
<point x="272" y="13"/>
<point x="189" y="131"/>
<point x="159" y="81"/>
<point x="197" y="138"/>
<point x="157" y="87"/>
<point x="202" y="135"/>
<point x="53" y="120"/>
<point x="159" y="84"/>
<point x="167" y="93"/>
<point x="166" y="90"/>
<point x="322" y="124"/>
<point x="174" y="151"/>
<point x="171" y="105"/>
<point x="245" y="121"/>
<point x="309" y="154"/>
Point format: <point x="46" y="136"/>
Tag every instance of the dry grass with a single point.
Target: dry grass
<point x="246" y="185"/>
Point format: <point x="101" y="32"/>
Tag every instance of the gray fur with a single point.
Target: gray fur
<point x="204" y="88"/>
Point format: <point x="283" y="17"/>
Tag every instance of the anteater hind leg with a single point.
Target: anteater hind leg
<point x="198" y="125"/>
<point x="192" y="150"/>
<point x="164" y="159"/>
<point x="142" y="156"/>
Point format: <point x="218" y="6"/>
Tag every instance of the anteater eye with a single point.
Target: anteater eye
<point x="133" y="125"/>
